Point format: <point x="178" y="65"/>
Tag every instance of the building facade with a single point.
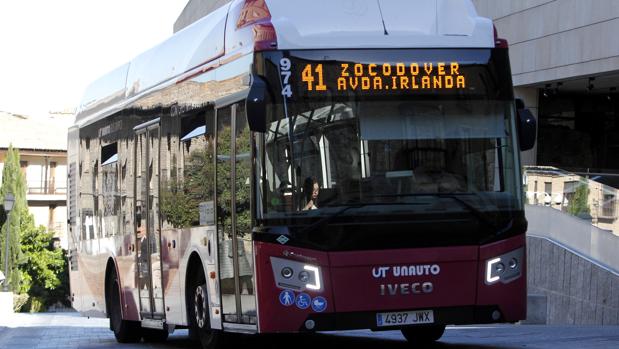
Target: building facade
<point x="565" y="66"/>
<point x="42" y="144"/>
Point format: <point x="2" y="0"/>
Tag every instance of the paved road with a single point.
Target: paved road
<point x="68" y="330"/>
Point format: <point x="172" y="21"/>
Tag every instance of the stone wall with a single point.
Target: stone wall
<point x="576" y="290"/>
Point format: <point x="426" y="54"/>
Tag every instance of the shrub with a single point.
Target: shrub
<point x="36" y="305"/>
<point x="19" y="300"/>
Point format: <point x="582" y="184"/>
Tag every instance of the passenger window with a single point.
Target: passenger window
<point x="87" y="190"/>
<point x="187" y="193"/>
<point x="109" y="194"/>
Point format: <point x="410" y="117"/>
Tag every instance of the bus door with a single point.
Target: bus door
<point x="233" y="178"/>
<point x="148" y="239"/>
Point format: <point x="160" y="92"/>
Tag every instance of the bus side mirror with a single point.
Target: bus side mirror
<point x="527" y="126"/>
<point x="256" y="105"/>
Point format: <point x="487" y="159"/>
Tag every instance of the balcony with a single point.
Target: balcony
<point x="50" y="187"/>
<point x="46" y="191"/>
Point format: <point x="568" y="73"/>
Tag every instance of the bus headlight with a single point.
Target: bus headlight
<point x="496" y="269"/>
<point x="316" y="284"/>
<point x="513" y="263"/>
<point x="308" y="277"/>
<point x="304" y="276"/>
<point x="287" y="272"/>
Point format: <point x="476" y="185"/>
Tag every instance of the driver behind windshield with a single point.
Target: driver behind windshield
<point x="311" y="189"/>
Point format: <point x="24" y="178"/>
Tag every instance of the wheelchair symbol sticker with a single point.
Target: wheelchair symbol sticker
<point x="303" y="301"/>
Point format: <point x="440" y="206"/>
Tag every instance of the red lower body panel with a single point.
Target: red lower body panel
<point x="510" y="297"/>
<point x="356" y="285"/>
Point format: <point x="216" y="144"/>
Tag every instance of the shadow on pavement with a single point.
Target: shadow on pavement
<point x="322" y="341"/>
<point x="102" y="338"/>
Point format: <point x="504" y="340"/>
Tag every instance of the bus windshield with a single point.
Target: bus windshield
<point x="444" y="152"/>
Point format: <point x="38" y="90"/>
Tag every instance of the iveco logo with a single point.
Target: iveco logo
<point x="406" y="289"/>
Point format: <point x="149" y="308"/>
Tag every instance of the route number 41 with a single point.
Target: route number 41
<point x="284" y="68"/>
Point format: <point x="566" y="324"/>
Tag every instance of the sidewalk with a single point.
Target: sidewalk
<point x="61" y="330"/>
<point x="69" y="330"/>
<point x="53" y="330"/>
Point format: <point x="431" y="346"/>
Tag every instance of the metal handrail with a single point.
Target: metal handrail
<point x="49" y="187"/>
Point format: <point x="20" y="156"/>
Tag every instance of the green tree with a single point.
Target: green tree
<point x="13" y="181"/>
<point x="44" y="270"/>
<point x="579" y="205"/>
<point x="35" y="267"/>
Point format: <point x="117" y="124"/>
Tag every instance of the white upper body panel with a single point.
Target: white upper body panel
<point x="324" y="24"/>
<point x="196" y="44"/>
<point x="298" y="24"/>
<point x="192" y="46"/>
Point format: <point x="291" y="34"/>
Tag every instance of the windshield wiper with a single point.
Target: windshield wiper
<point x="480" y="215"/>
<point x="329" y="218"/>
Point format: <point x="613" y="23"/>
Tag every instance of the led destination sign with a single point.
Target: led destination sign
<point x="382" y="77"/>
<point x="410" y="73"/>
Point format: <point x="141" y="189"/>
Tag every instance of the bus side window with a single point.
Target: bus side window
<point x="110" y="195"/>
<point x="188" y="191"/>
<point x="96" y="196"/>
<point x="87" y="183"/>
<point x="125" y="154"/>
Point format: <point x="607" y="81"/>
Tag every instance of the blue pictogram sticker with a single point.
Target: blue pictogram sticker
<point x="303" y="301"/>
<point x="319" y="304"/>
<point x="287" y="298"/>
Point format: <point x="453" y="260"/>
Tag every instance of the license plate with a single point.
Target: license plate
<point x="405" y="318"/>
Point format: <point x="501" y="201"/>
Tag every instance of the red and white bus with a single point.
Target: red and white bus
<point x="297" y="166"/>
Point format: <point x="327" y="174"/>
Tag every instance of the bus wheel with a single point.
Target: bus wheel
<point x="420" y="335"/>
<point x="125" y="331"/>
<point x="154" y="336"/>
<point x="198" y="313"/>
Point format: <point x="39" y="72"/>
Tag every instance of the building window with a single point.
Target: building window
<point x="23" y="165"/>
<point x="569" y="190"/>
<point x="609" y="206"/>
<point x="548" y="193"/>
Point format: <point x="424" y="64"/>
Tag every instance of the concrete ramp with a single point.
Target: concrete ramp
<point x="573" y="270"/>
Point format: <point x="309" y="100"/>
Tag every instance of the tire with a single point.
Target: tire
<point x="154" y="336"/>
<point x="125" y="331"/>
<point x="198" y="313"/>
<point x="423" y="335"/>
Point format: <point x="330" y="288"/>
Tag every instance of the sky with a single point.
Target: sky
<point x="50" y="51"/>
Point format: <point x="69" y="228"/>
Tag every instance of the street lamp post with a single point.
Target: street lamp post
<point x="9" y="200"/>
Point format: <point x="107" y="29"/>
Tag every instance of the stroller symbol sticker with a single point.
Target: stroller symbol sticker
<point x="319" y="304"/>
